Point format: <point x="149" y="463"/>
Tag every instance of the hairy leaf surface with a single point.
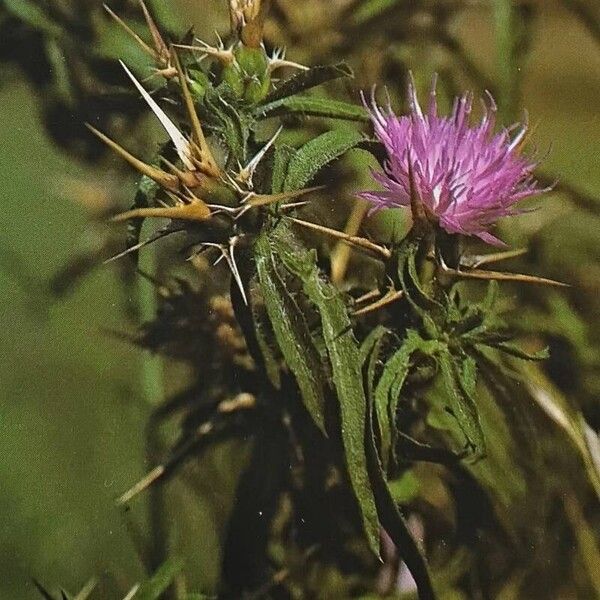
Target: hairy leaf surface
<point x="305" y="80"/>
<point x="317" y="153"/>
<point x="344" y="357"/>
<point x="291" y="331"/>
<point x="314" y="106"/>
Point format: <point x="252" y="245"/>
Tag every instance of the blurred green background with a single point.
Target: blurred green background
<point x="72" y="415"/>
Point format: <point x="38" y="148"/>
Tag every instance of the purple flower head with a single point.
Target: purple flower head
<point x="466" y="177"/>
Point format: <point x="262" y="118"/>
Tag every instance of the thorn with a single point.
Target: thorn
<point x="221" y="208"/>
<point x="229" y="180"/>
<point x="234" y="269"/>
<point x="197" y="133"/>
<point x="278" y="63"/>
<point x="368" y="296"/>
<point x="166" y="180"/>
<point x="473" y="262"/>
<point x="181" y="144"/>
<point x="388" y="298"/>
<point x="187" y="178"/>
<point x="161" y="47"/>
<point x="228" y="253"/>
<point x="132" y="33"/>
<point x="500" y="276"/>
<point x="167" y="73"/>
<point x="340" y="256"/>
<point x="266" y="199"/>
<point x="242" y="211"/>
<point x="245" y="175"/>
<point x="197" y="211"/>
<point x="293" y="205"/>
<point x="158" y="236"/>
<point x="359" y="242"/>
<point x="225" y="56"/>
<point x="132" y="592"/>
<point x="142" y="484"/>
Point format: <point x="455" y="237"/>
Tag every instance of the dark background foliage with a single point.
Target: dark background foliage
<point x="73" y="408"/>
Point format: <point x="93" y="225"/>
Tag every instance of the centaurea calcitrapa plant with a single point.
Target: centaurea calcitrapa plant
<point x="340" y="392"/>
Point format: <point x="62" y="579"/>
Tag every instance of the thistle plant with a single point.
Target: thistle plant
<point x="357" y="403"/>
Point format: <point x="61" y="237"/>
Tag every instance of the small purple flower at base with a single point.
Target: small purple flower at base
<point x="466" y="177"/>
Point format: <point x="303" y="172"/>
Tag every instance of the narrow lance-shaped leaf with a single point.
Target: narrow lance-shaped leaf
<point x="317" y="153"/>
<point x="347" y="378"/>
<point x="388" y="390"/>
<point x="522" y="354"/>
<point x="371" y="344"/>
<point x="391" y="518"/>
<point x="461" y="402"/>
<point x="370" y="351"/>
<point x="281" y="162"/>
<point x="291" y="331"/>
<point x="565" y="417"/>
<point x="305" y="80"/>
<point x="263" y="334"/>
<point x="395" y="369"/>
<point x="314" y="106"/>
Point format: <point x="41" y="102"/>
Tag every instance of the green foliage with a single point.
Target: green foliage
<point x="313" y="106"/>
<point x="316" y="154"/>
<point x="274" y="347"/>
<point x="345" y="368"/>
<point x="33" y="15"/>
<point x="291" y="332"/>
<point x="154" y="588"/>
<point x="305" y="80"/>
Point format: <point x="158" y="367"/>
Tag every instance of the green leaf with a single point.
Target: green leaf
<point x="522" y="354"/>
<point x="461" y="402"/>
<point x="291" y="331"/>
<point x="389" y="388"/>
<point x="283" y="156"/>
<point x="233" y="127"/>
<point x="565" y="417"/>
<point x="426" y="298"/>
<point x="304" y="80"/>
<point x="314" y="155"/>
<point x="153" y="588"/>
<point x="33" y="15"/>
<point x="468" y="376"/>
<point x="369" y="351"/>
<point x="421" y="301"/>
<point x="314" y="106"/>
<point x="166" y="14"/>
<point x="385" y="404"/>
<point x="392" y="520"/>
<point x="263" y="334"/>
<point x="344" y="357"/>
